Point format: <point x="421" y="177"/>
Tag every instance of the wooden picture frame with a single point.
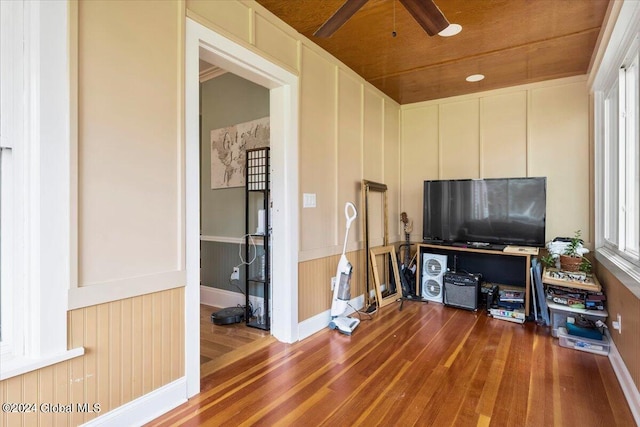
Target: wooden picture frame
<point x="388" y="290"/>
<point x="368" y="187"/>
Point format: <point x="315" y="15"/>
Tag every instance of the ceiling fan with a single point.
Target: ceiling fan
<point x="425" y="12"/>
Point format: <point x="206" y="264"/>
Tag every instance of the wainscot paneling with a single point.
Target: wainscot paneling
<point x="217" y="260"/>
<point x="314" y="279"/>
<point x="132" y="347"/>
<point x="621" y="301"/>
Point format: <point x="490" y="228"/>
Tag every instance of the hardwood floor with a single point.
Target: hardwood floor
<point x="221" y="345"/>
<point x="425" y="365"/>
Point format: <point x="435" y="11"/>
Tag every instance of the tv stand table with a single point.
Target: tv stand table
<point x="510" y="266"/>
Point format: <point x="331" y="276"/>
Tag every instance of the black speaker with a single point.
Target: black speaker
<point x="461" y="290"/>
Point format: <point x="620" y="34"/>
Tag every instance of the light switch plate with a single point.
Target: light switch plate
<point x="308" y="200"/>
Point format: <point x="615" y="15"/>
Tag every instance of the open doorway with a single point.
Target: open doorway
<point x="203" y="43"/>
<point x="234" y="117"/>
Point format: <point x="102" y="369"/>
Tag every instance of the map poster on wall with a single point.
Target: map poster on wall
<point x="228" y="151"/>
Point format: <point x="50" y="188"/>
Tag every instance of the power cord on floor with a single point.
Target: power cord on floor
<point x="360" y="312"/>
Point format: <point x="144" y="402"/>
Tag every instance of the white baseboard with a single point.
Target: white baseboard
<point x="220" y="297"/>
<point x="626" y="381"/>
<point x="145" y="408"/>
<point x="321" y="320"/>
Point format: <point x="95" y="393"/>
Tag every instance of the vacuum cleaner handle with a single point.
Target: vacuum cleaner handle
<point x="346" y="213"/>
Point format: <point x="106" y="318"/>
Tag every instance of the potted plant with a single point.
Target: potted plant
<point x="572" y="259"/>
<point x="548" y="260"/>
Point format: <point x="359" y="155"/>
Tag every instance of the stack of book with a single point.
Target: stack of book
<point x="510" y="306"/>
<point x="511" y="315"/>
<point x="511" y="298"/>
<point x="573" y="289"/>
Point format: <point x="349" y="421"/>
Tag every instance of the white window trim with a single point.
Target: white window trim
<point x="42" y="241"/>
<point x="624" y="34"/>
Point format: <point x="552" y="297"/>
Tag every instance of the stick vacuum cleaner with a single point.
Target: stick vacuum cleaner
<point x="342" y="284"/>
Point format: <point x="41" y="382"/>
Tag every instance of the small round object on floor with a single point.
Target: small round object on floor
<point x="228" y="316"/>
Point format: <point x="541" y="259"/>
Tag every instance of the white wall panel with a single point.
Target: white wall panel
<point x="420" y="160"/>
<point x="275" y="42"/>
<point x="503" y="135"/>
<point x="459" y="139"/>
<point x="349" y="152"/>
<point x="373" y="136"/>
<point x="317" y="150"/>
<point x="129" y="136"/>
<point x="532" y="130"/>
<point x="373" y="162"/>
<point x="392" y="168"/>
<point x="233" y="17"/>
<point x="559" y="150"/>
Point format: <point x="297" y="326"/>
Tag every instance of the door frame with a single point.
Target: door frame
<point x="202" y="42"/>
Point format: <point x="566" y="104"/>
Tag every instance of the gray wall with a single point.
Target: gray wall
<point x="224" y="101"/>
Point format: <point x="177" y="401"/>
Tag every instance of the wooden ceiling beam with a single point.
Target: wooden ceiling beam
<point x="339" y="18"/>
<point x="427" y="14"/>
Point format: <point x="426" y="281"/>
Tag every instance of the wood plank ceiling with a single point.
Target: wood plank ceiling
<point x="511" y="42"/>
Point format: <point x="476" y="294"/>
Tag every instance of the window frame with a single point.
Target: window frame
<point x="631" y="141"/>
<point x="612" y="138"/>
<point x="37" y="131"/>
<point x="610" y="167"/>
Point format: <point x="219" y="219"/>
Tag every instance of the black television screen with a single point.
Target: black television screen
<point x="503" y="211"/>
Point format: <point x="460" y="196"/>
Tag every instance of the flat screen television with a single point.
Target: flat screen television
<point x="498" y="211"/>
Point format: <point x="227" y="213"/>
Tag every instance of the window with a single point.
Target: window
<point x="617" y="131"/>
<point x="629" y="148"/>
<point x="35" y="202"/>
<point x="621" y="188"/>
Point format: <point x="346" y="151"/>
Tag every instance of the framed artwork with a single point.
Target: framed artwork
<point x="228" y="151"/>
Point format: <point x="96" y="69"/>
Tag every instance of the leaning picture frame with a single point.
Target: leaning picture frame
<point x="386" y="276"/>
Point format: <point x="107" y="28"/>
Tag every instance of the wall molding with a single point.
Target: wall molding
<point x="211" y="73"/>
<point x="145" y="408"/>
<point x="232" y="240"/>
<point x="311" y="254"/>
<point x="222" y="239"/>
<point x="100" y="293"/>
<point x="494" y="92"/>
<point x="220" y="298"/>
<point x="629" y="388"/>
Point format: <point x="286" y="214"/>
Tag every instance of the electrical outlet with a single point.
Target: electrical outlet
<point x="235" y="275"/>
<point x="617" y="324"/>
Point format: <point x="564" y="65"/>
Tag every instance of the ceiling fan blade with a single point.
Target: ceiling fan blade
<point x="427" y="14"/>
<point x="338" y="19"/>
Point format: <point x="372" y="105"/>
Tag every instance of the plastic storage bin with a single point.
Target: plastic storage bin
<point x="583" y="344"/>
<point x="559" y="314"/>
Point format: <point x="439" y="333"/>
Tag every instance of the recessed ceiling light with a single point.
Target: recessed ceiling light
<point x="451" y="30"/>
<point x="475" y="77"/>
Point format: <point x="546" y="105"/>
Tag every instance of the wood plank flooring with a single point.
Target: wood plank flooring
<point x="221" y="345"/>
<point x="426" y="365"/>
